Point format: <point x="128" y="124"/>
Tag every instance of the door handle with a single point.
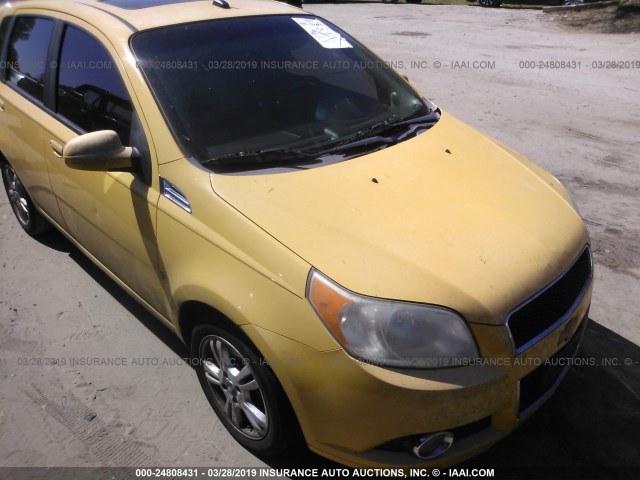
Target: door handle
<point x="56" y="147"/>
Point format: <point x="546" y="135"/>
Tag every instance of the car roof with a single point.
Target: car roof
<point x="147" y="14"/>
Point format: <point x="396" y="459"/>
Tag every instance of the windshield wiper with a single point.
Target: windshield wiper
<point x="267" y="158"/>
<point x="372" y="135"/>
<point x="362" y="142"/>
<point x="380" y="133"/>
<point x="393" y="123"/>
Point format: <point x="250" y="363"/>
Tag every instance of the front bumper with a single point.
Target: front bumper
<point x="351" y="412"/>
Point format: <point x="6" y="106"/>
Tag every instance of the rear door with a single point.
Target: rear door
<point x="24" y="72"/>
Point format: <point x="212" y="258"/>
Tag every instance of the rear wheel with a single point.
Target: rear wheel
<point x="25" y="211"/>
<point x="243" y="391"/>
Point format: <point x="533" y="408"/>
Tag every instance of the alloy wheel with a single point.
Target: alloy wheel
<point x="234" y="386"/>
<point x="17" y="196"/>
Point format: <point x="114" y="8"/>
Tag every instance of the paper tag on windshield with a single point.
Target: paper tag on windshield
<point x="322" y="33"/>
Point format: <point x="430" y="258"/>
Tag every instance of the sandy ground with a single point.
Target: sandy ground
<point x="58" y="312"/>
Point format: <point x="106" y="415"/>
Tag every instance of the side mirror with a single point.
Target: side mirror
<point x="98" y="152"/>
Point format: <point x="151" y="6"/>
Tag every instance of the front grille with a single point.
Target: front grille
<point x="548" y="308"/>
<point x="541" y="382"/>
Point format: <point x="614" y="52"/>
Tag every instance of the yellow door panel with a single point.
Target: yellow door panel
<point x="22" y="141"/>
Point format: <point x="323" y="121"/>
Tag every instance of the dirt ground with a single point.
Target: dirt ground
<point x="615" y="19"/>
<point x="499" y="70"/>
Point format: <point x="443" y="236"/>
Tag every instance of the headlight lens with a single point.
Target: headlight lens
<point x="386" y="332"/>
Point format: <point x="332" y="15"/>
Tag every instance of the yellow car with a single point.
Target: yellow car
<point x="348" y="263"/>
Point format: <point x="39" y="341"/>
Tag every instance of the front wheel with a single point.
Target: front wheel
<point x="243" y="391"/>
<point x="25" y="211"/>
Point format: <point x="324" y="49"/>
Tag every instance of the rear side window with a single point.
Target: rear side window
<point x="91" y="93"/>
<point x="4" y="26"/>
<point x="27" y="54"/>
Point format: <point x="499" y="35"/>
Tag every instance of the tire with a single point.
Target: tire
<point x="413" y="1"/>
<point x="25" y="211"/>
<point x="245" y="395"/>
<point x="390" y="1"/>
<point x="490" y="3"/>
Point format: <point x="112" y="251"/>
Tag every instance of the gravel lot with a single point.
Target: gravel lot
<point x="481" y="65"/>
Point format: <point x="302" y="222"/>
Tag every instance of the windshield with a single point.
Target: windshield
<point x="232" y="88"/>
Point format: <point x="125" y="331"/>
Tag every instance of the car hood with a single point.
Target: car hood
<point x="449" y="217"/>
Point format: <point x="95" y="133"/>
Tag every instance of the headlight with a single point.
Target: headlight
<point x="386" y="332"/>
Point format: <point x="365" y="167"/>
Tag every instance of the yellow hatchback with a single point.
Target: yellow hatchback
<point x="347" y="262"/>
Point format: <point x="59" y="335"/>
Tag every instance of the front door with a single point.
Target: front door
<point x="111" y="214"/>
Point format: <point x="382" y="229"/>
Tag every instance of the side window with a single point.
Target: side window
<point x="4" y="26"/>
<point x="27" y="54"/>
<point x="91" y="93"/>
